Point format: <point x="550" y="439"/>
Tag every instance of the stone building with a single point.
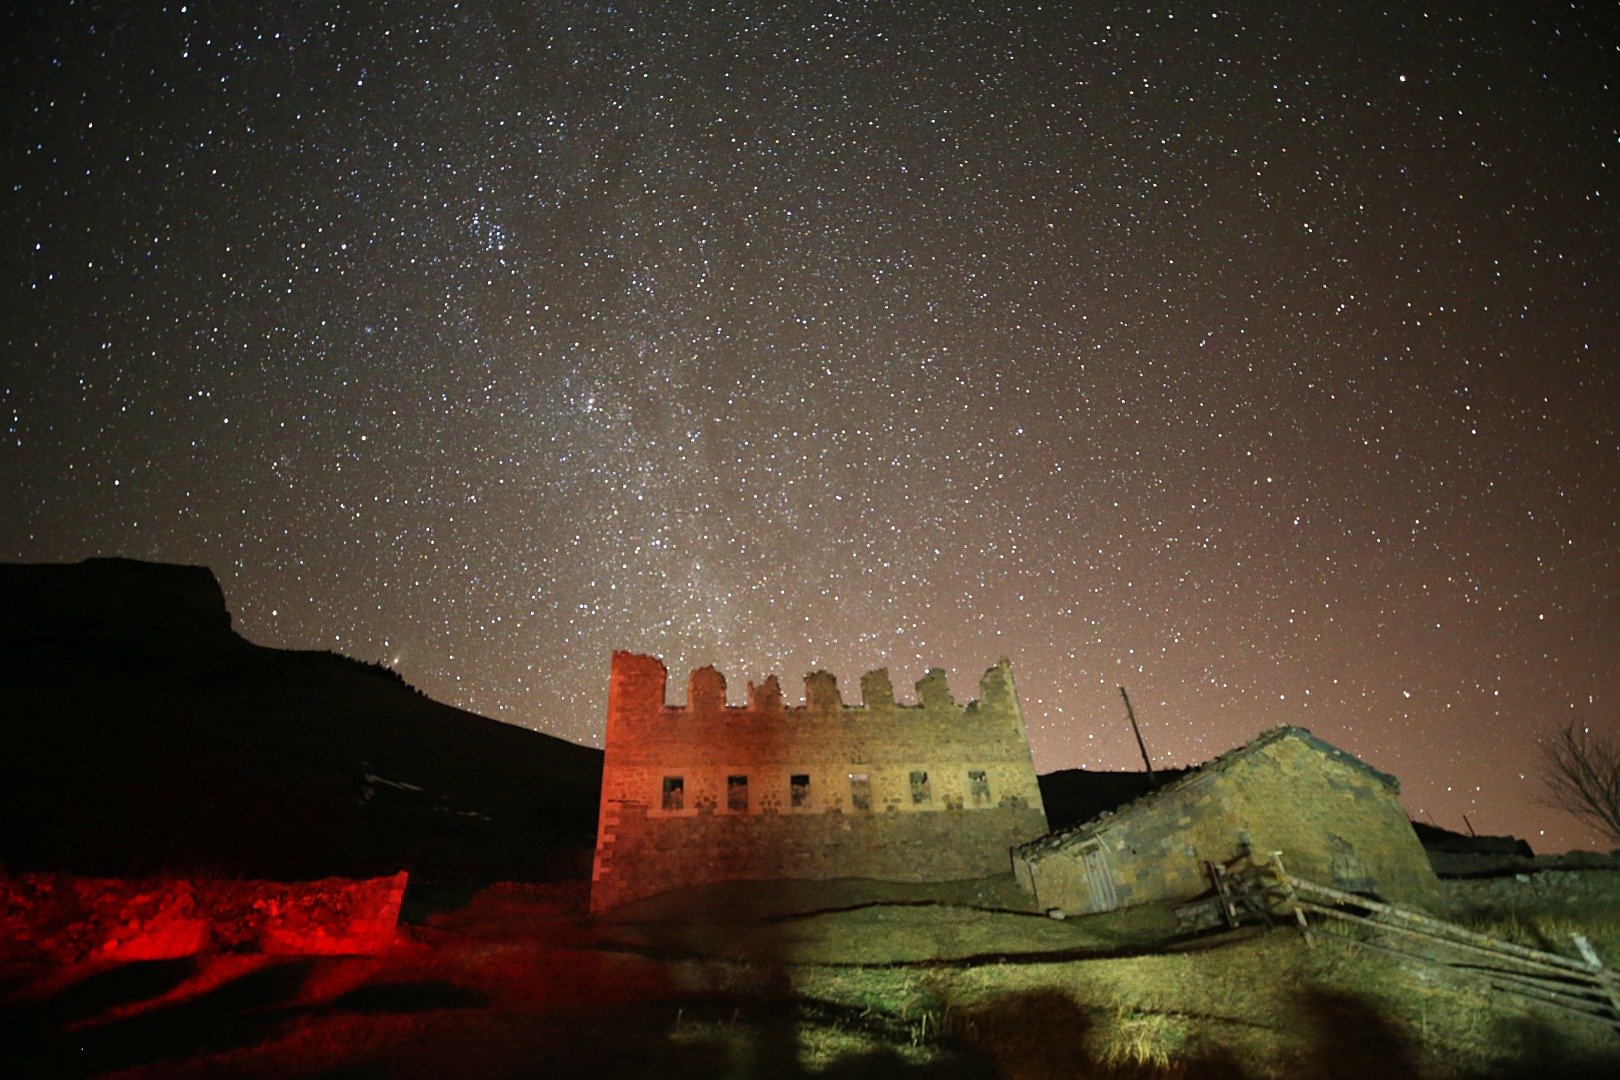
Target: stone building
<point x="935" y="791"/>
<point x="1337" y="821"/>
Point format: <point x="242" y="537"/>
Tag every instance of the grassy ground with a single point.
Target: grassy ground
<point x="826" y="980"/>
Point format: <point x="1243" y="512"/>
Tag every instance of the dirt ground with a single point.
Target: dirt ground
<point x="827" y="979"/>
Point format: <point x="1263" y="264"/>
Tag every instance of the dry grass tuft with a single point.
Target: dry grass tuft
<point x="1143" y="1039"/>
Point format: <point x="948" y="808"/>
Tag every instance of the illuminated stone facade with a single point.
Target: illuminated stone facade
<point x="1336" y="820"/>
<point x="935" y="791"/>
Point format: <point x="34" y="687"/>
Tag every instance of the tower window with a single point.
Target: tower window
<point x="674" y="793"/>
<point x="737" y="793"/>
<point x="979" y="787"/>
<point x="860" y="791"/>
<point x="799" y="789"/>
<point x="919" y="787"/>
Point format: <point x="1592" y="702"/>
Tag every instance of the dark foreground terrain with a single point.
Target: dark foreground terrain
<point x="818" y="980"/>
<point x="142" y="739"/>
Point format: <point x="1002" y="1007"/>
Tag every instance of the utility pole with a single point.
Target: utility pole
<point x="1140" y="745"/>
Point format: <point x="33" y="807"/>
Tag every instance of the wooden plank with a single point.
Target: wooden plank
<point x="1577" y="1006"/>
<point x="1448" y="929"/>
<point x="1595" y="999"/>
<point x="1287" y="882"/>
<point x="1099" y="878"/>
<point x="1500" y="957"/>
<point x="1474" y="973"/>
<point x="1551" y="1000"/>
<point x="1589" y="954"/>
<point x="1575" y="979"/>
<point x="1440" y="928"/>
<point x="1223" y="892"/>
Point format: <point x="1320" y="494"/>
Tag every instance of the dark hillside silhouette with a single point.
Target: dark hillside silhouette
<point x="1076" y="795"/>
<point x="139" y="733"/>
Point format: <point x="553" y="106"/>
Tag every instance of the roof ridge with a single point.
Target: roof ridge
<point x="1216" y="764"/>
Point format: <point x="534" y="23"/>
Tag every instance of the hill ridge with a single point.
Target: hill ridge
<point x="142" y="732"/>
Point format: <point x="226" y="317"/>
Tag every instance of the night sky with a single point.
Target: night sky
<point x="1258" y="358"/>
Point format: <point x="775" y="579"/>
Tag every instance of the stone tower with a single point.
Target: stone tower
<point x="935" y="791"/>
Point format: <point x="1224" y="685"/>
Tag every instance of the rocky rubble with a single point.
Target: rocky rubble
<point x="60" y="918"/>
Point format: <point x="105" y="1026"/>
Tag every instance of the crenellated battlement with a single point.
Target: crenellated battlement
<point x="640" y="684"/>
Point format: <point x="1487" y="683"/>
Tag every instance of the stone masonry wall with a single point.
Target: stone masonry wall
<point x="1334" y="823"/>
<point x="63" y="918"/>
<point x="712" y="792"/>
<point x="1343" y="827"/>
<point x="1153" y="853"/>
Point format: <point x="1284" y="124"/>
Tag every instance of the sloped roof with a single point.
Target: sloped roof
<point x="1086" y="829"/>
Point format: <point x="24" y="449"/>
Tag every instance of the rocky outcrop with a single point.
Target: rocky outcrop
<point x="61" y="621"/>
<point x="141" y="735"/>
<point x="60" y="918"/>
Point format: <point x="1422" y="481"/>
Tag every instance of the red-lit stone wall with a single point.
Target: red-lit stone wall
<point x="949" y="789"/>
<point x="61" y="918"/>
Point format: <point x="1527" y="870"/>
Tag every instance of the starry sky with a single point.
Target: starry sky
<point x="1259" y="358"/>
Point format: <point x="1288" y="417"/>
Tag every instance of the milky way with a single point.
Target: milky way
<point x="1259" y="360"/>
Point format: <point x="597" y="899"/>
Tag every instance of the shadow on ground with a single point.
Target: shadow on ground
<point x="515" y="982"/>
<point x="131" y="1016"/>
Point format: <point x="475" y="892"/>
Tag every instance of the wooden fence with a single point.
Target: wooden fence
<point x="1248" y="890"/>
